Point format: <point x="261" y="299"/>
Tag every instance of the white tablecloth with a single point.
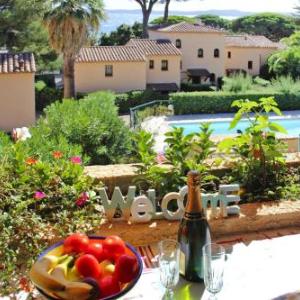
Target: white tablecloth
<point x="263" y="270"/>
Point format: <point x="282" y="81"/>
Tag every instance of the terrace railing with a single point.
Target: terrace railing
<point x="134" y="110"/>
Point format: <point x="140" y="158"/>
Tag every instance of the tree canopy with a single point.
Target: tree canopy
<point x="122" y="35"/>
<point x="287" y="61"/>
<point x="173" y="20"/>
<point x="21" y="30"/>
<point x="215" y="21"/>
<point x="273" y="26"/>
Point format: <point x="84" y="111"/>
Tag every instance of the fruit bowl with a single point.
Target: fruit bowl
<point x="58" y="250"/>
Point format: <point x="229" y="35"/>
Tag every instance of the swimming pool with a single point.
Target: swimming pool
<point x="221" y="127"/>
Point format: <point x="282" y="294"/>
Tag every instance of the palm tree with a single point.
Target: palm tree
<point x="69" y="23"/>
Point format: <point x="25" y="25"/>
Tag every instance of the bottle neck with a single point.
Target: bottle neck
<point x="194" y="209"/>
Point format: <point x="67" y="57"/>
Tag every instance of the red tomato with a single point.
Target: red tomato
<point x="126" y="268"/>
<point x="108" y="286"/>
<point x="113" y="247"/>
<point x="76" y="242"/>
<point x="96" y="249"/>
<point x="87" y="265"/>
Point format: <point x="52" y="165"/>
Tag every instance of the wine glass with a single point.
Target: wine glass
<point x="214" y="262"/>
<point x="168" y="262"/>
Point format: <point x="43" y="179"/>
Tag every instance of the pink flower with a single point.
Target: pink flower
<point x="76" y="160"/>
<point x="160" y="158"/>
<point x="39" y="195"/>
<point x="80" y="202"/>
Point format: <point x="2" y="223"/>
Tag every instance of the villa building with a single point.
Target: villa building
<point x="17" y="96"/>
<point x="173" y="54"/>
<point x="135" y="66"/>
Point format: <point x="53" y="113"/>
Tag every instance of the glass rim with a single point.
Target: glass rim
<point x="168" y="241"/>
<point x="220" y="249"/>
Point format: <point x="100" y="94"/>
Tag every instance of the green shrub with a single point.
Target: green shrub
<point x="157" y="110"/>
<point x="45" y="95"/>
<point x="237" y="83"/>
<point x="128" y="100"/>
<point x="40" y="201"/>
<point x="220" y="102"/>
<point x="91" y="123"/>
<point x="260" y="81"/>
<point x="192" y="87"/>
<point x="286" y="85"/>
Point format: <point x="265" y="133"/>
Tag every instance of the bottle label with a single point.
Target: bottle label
<point x="182" y="263"/>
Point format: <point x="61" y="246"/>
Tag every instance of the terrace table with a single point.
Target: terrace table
<point x="262" y="270"/>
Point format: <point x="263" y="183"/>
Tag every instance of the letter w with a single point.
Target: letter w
<point x="117" y="201"/>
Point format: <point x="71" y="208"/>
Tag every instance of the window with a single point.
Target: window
<point x="250" y="64"/>
<point x="229" y="54"/>
<point x="216" y="53"/>
<point x="164" y="65"/>
<point x="151" y="64"/>
<point x="178" y="43"/>
<point x="108" y="71"/>
<point x="200" y="52"/>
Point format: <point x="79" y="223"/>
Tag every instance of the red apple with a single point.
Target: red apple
<point x="126" y="268"/>
<point x="109" y="285"/>
<point x="87" y="265"/>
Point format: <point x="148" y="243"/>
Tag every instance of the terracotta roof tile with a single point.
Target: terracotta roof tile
<point x="252" y="41"/>
<point x="109" y="54"/>
<point x="154" y="47"/>
<point x="17" y="63"/>
<point x="187" y="27"/>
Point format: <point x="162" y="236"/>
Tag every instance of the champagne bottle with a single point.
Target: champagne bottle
<point x="193" y="232"/>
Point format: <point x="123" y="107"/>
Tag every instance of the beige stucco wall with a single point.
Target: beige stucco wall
<point x="240" y="57"/>
<point x="17" y="100"/>
<point x="127" y="76"/>
<point x="190" y="43"/>
<point x="156" y="75"/>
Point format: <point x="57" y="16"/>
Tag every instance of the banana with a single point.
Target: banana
<point x="40" y="276"/>
<point x="73" y="290"/>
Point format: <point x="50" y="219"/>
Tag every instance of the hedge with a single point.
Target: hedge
<point x="128" y="100"/>
<point x="220" y="102"/>
<point x="194" y="87"/>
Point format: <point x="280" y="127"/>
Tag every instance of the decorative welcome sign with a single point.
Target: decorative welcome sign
<point x="142" y="209"/>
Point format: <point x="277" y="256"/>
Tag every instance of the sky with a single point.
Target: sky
<point x="251" y="6"/>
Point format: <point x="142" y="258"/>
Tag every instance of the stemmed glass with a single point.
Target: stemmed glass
<point x="214" y="262"/>
<point x="168" y="261"/>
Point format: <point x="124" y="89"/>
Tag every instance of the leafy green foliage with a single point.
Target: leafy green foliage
<point x="45" y="95"/>
<point x="215" y="21"/>
<point x="173" y="20"/>
<point x="122" y="35"/>
<point x="286" y="85"/>
<point x="130" y="99"/>
<point x="21" y="30"/>
<point x="272" y="25"/>
<point x="167" y="171"/>
<point x="238" y="83"/>
<point x="91" y="123"/>
<point x="38" y="203"/>
<point x="218" y="102"/>
<point x="260" y="165"/>
<point x="157" y="110"/>
<point x="287" y="61"/>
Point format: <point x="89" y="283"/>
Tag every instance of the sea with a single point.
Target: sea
<point x="116" y="18"/>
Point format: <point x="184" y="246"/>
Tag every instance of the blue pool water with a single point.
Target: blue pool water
<point x="222" y="127"/>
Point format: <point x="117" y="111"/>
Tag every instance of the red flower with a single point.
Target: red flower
<point x="31" y="161"/>
<point x="76" y="160"/>
<point x="80" y="202"/>
<point x="39" y="195"/>
<point x="160" y="158"/>
<point x="57" y="154"/>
